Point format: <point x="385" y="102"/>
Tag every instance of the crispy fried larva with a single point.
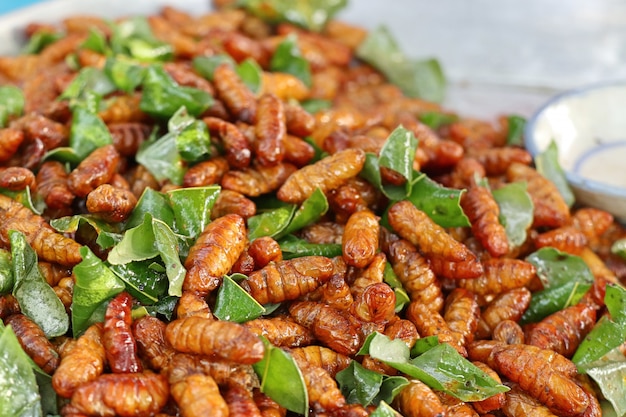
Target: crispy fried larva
<point x="374" y="303"/>
<point x="461" y="313"/>
<point x="328" y="359"/>
<point x="267" y="406"/>
<point x="198" y="395"/>
<point x="431" y="323"/>
<point x="34" y="342"/>
<point x="483" y="211"/>
<point x="234" y="93"/>
<point x="500" y="275"/>
<point x="51" y="133"/>
<point x="49" y="245"/>
<point x="52" y="185"/>
<point x="124" y="395"/>
<point x="467" y="269"/>
<point x="149" y="333"/>
<point x="257" y="179"/>
<point x="325" y="174"/>
<point x="509" y="332"/>
<point x="523" y="365"/>
<point x="232" y="202"/>
<point x="334" y="328"/>
<point x="8" y="305"/>
<point x="566" y="239"/>
<point x="324" y="395"/>
<point x="494" y="402"/>
<point x="192" y="304"/>
<point x="415" y="226"/>
<point x="509" y="305"/>
<point x="206" y="172"/>
<point x="17" y="178"/>
<point x="416" y="276"/>
<point x="113" y="204"/>
<point x="519" y="404"/>
<point x="281" y="331"/>
<point x="83" y="363"/>
<point x="240" y="402"/>
<point x="96" y="169"/>
<point x="220" y="339"/>
<point x="360" y="239"/>
<point x="284" y="86"/>
<point x="10" y="141"/>
<point x="270" y="130"/>
<point x="335" y="293"/>
<point x="456" y="407"/>
<point x="117" y="339"/>
<point x="128" y="136"/>
<point x="418" y="400"/>
<point x="323" y="232"/>
<point x="265" y="250"/>
<point x="550" y="208"/>
<point x="497" y="160"/>
<point x="238" y="152"/>
<point x="563" y="331"/>
<point x="214" y="253"/>
<point x="288" y="279"/>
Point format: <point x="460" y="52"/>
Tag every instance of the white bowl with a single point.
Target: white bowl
<point x="589" y="127"/>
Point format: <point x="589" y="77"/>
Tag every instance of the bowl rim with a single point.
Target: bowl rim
<point x="575" y="180"/>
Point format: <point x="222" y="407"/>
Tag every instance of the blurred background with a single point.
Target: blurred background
<point x="499" y="56"/>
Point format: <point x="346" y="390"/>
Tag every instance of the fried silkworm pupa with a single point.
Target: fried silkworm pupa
<point x="482" y="209"/>
<point x="324" y="395"/>
<point x="127" y="137"/>
<point x="334" y="328"/>
<point x="523" y="365"/>
<point x="135" y="394"/>
<point x="325" y="174"/>
<point x="519" y="404"/>
<point x="117" y="339"/>
<point x="52" y="185"/>
<point x="96" y="169"/>
<point x="238" y="152"/>
<point x="270" y="130"/>
<point x="288" y="279"/>
<point x="375" y="303"/>
<point x="431" y="323"/>
<point x="214" y="253"/>
<point x="34" y="342"/>
<point x="240" y="402"/>
<point x="592" y="222"/>
<point x="497" y="160"/>
<point x="415" y="226"/>
<point x="567" y="239"/>
<point x="501" y="274"/>
<point x="509" y="305"/>
<point x="265" y="250"/>
<point x="509" y="332"/>
<point x="232" y="202"/>
<point x="149" y="333"/>
<point x="462" y="313"/>
<point x="495" y="402"/>
<point x="237" y="97"/>
<point x="8" y="305"/>
<point x="17" y="178"/>
<point x="360" y="239"/>
<point x="257" y="179"/>
<point x="192" y="304"/>
<point x="112" y="204"/>
<point x="10" y="141"/>
<point x="206" y="172"/>
<point x="456" y="407"/>
<point x="418" y="400"/>
<point x="467" y="269"/>
<point x="220" y="339"/>
<point x="281" y="331"/>
<point x="83" y="363"/>
<point x="284" y="86"/>
<point x="198" y="395"/>
<point x="324" y="357"/>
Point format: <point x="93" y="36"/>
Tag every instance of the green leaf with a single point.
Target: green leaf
<point x="251" y="74"/>
<point x="87" y="133"/>
<point x="547" y="163"/>
<point x="516" y="211"/>
<point x="134" y="37"/>
<point x="192" y="208"/>
<point x="167" y="246"/>
<point x="97" y="42"/>
<point x="34" y="202"/>
<point x="6" y="272"/>
<point x="125" y="74"/>
<point x="36" y="298"/>
<point x="397" y="154"/>
<point x="270" y="223"/>
<point x="39" y="40"/>
<point x="423" y="79"/>
<point x="144" y="280"/>
<point x="156" y="204"/>
<point x="311" y="210"/>
<point x="233" y="303"/>
<point x="441" y="204"/>
<point x="610" y="374"/>
<point x="435" y="119"/>
<point x="384" y="410"/>
<point x="365" y="387"/>
<point x="11" y="103"/>
<point x="313" y="105"/>
<point x="309" y="14"/>
<point x="293" y="247"/>
<point x="619" y="248"/>
<point x="424" y="344"/>
<point x="287" y="58"/>
<point x="162" y="96"/>
<point x="565" y="279"/>
<point x="441" y="368"/>
<point x="165" y="307"/>
<point x="95" y="285"/>
<point x="390" y="277"/>
<point x="515" y="135"/>
<point x="206" y="65"/>
<point x="108" y="235"/>
<point x="282" y="380"/>
<point x="161" y="158"/>
<point x="608" y="333"/>
<point x="17" y="380"/>
<point x="89" y="79"/>
<point x="192" y="136"/>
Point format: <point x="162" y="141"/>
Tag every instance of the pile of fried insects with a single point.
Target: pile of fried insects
<point x="261" y="211"/>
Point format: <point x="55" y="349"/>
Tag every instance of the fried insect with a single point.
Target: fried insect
<point x="415" y="226"/>
<point x="324" y="357"/>
<point x="550" y="208"/>
<point x="519" y="404"/>
<point x="112" y="204"/>
<point x="139" y="178"/>
<point x="8" y="305"/>
<point x="456" y="407"/>
<point x="234" y="93"/>
<point x="298" y="121"/>
<point x="566" y="239"/>
<point x="396" y="329"/>
<point x="495" y="402"/>
<point x="497" y="160"/>
<point x="270" y="130"/>
<point x="592" y="222"/>
<point x="323" y="232"/>
<point x="265" y="250"/>
<point x="34" y="342"/>
<point x="257" y="180"/>
<point x="334" y="293"/>
<point x="198" y="395"/>
<point x="501" y="274"/>
<point x="17" y="178"/>
<point x="325" y="174"/>
<point x="281" y="331"/>
<point x="84" y="362"/>
<point x="124" y="395"/>
<point x="334" y="328"/>
<point x="509" y="332"/>
<point x="324" y="395"/>
<point x="216" y="338"/>
<point x="284" y="86"/>
<point x="96" y="169"/>
<point x="375" y="303"/>
<point x="236" y="146"/>
<point x="523" y="365"/>
<point x="509" y="305"/>
<point x="288" y="279"/>
<point x="149" y="333"/>
<point x="418" y="400"/>
<point x="36" y="126"/>
<point x="431" y="323"/>
<point x="563" y="331"/>
<point x="10" y="141"/>
<point x="267" y="406"/>
<point x="462" y="313"/>
<point x="214" y="253"/>
<point x="467" y="269"/>
<point x="298" y="151"/>
<point x="47" y="243"/>
<point x="117" y="339"/>
<point x="415" y="275"/>
<point x="206" y="172"/>
<point x="464" y="173"/>
<point x="483" y="211"/>
<point x="52" y="185"/>
<point x="123" y="109"/>
<point x="232" y="202"/>
<point x="127" y="137"/>
<point x="192" y="304"/>
<point x="360" y="239"/>
<point x="240" y="402"/>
